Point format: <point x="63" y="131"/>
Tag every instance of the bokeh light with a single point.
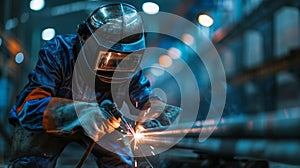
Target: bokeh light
<point x="150" y="8"/>
<point x="165" y="61"/>
<point x="188" y="39"/>
<point x="205" y="20"/>
<point x="174" y="53"/>
<point x="19" y="58"/>
<point x="48" y="34"/>
<point x="37" y="5"/>
<point x="156" y="70"/>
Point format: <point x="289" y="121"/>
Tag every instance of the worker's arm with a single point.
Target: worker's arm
<point x="44" y="81"/>
<point x="38" y="108"/>
<point x="63" y="116"/>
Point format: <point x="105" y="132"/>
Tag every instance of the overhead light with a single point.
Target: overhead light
<point x="19" y="58"/>
<point x="48" y="34"/>
<point x="24" y="17"/>
<point x="150" y="8"/>
<point x="187" y="39"/>
<point x="165" y="61"/>
<point x="174" y="53"/>
<point x="36" y="5"/>
<point x="11" y="23"/>
<point x="205" y="20"/>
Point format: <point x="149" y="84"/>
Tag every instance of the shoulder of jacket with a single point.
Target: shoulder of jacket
<point x="60" y="42"/>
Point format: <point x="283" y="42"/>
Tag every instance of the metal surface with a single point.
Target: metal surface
<point x="272" y="136"/>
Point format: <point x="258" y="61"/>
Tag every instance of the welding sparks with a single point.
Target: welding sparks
<point x="138" y="136"/>
<point x="135" y="163"/>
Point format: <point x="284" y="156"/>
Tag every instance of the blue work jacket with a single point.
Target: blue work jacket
<point x="52" y="77"/>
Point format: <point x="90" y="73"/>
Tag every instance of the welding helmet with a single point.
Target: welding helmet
<point x="117" y="28"/>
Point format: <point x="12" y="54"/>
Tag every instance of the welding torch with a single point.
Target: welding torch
<point x="112" y="111"/>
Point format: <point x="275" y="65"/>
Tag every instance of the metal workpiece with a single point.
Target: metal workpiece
<point x="284" y="151"/>
<point x="269" y="136"/>
<point x="279" y="124"/>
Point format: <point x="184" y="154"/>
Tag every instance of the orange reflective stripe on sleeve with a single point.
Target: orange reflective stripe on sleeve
<point x="37" y="93"/>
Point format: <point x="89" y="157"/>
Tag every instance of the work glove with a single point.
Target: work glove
<point x="63" y="116"/>
<point x="158" y="114"/>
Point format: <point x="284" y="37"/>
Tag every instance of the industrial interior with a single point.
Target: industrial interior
<point x="256" y="41"/>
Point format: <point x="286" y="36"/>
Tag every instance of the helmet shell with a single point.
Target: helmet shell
<point x="117" y="27"/>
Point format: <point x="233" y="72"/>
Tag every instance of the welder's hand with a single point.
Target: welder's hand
<point x="111" y="112"/>
<point x="162" y="115"/>
<point x="95" y="121"/>
<point x="114" y="122"/>
<point x="65" y="116"/>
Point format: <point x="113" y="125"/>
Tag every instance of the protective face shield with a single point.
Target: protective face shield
<point x="117" y="65"/>
<point x="118" y="31"/>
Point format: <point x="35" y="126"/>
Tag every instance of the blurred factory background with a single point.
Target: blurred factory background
<point x="258" y="42"/>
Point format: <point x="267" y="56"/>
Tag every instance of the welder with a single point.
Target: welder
<point x="57" y="107"/>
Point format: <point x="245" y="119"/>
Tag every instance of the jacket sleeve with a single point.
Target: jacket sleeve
<point x="43" y="82"/>
<point x="140" y="92"/>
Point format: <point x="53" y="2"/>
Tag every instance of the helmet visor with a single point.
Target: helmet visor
<point x="118" y="62"/>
